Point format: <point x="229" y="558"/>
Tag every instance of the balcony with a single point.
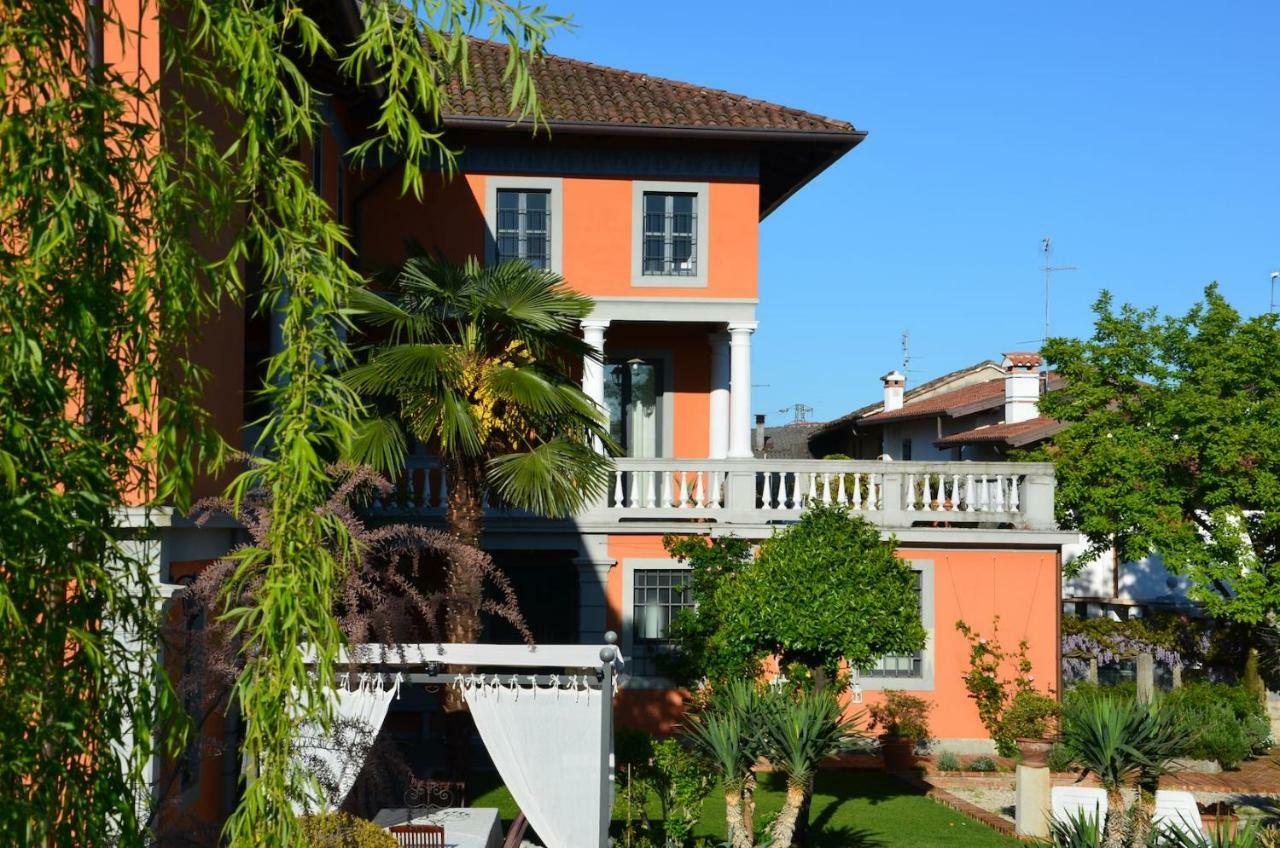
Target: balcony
<point x="991" y="496"/>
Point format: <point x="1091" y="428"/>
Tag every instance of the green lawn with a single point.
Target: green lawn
<point x="851" y="809"/>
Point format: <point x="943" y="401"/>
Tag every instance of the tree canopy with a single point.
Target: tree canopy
<point x="826" y="590"/>
<point x="1173" y="445"/>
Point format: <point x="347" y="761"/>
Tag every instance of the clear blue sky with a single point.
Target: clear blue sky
<point x="1143" y="136"/>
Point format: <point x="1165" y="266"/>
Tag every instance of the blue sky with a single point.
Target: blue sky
<point x="1143" y="136"/>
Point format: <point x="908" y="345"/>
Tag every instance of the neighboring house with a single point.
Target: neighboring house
<point x="647" y="194"/>
<point x="980" y="414"/>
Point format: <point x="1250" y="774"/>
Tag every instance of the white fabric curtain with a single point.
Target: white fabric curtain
<point x="333" y="760"/>
<point x="552" y="747"/>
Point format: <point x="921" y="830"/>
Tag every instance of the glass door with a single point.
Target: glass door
<point x="632" y="394"/>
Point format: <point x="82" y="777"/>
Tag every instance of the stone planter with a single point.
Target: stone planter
<point x="899" y="753"/>
<point x="1034" y="752"/>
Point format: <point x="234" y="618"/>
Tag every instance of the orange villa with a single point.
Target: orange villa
<point x="647" y="195"/>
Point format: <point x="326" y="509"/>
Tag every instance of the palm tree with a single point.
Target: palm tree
<point x="803" y="731"/>
<point x="473" y="361"/>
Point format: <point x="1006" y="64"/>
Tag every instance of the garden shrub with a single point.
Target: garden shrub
<point x="339" y="830"/>
<point x="1061" y="758"/>
<point x="901" y="715"/>
<point x="984" y="764"/>
<point x="948" y="761"/>
<point x="1231" y="721"/>
<point x="1030" y="715"/>
<point x="666" y="770"/>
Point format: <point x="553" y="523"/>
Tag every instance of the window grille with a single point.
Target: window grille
<point x="902" y="665"/>
<point x="524" y="227"/>
<point x="658" y="595"/>
<point x="670" y="234"/>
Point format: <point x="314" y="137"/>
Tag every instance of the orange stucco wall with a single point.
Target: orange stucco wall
<point x="690" y="381"/>
<point x="1019" y="586"/>
<point x="597" y="225"/>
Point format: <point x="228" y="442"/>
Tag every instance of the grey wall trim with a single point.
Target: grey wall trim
<point x="675" y="309"/>
<point x="613" y="163"/>
<point x="925" y="682"/>
<point x="702" y="252"/>
<point x="554" y="185"/>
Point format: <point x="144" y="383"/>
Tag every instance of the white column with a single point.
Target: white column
<point x="593" y="369"/>
<point x="740" y="389"/>
<point x="719" y="395"/>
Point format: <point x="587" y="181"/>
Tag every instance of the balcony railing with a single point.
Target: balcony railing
<point x="755" y="491"/>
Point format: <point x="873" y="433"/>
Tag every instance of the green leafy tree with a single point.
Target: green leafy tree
<point x="824" y="591"/>
<point x="1172" y="446"/>
<point x="476" y="365"/>
<point x="102" y="285"/>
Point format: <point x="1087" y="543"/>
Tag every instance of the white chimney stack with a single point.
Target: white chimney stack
<point x="894" y="385"/>
<point x="1021" y="386"/>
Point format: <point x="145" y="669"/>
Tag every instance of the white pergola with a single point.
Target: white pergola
<point x="550" y="734"/>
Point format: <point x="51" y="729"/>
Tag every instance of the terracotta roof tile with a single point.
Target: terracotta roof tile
<point x="1021" y="433"/>
<point x="964" y="400"/>
<point x="1030" y="360"/>
<point x="575" y="91"/>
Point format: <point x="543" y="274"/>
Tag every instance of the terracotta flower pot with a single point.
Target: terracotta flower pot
<point x="1034" y="752"/>
<point x="899" y="753"/>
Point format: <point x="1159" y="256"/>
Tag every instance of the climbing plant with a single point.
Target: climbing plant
<point x="102" y="281"/>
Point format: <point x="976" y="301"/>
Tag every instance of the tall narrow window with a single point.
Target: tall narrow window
<point x="524" y="227"/>
<point x="669" y="239"/>
<point x="658" y="594"/>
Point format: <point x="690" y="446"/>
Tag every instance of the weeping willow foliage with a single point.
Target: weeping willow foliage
<point x="100" y="403"/>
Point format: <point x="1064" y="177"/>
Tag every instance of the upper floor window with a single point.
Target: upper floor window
<point x="523" y="228"/>
<point x="670" y="234"/>
<point x="670" y="240"/>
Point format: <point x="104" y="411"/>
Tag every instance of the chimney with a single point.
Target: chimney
<point x="759" y="434"/>
<point x="1021" y="386"/>
<point x="894" y="384"/>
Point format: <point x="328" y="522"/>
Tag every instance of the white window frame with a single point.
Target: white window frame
<point x="702" y="253"/>
<point x="554" y="186"/>
<point x="630" y="565"/>
<point x="925" y="682"/>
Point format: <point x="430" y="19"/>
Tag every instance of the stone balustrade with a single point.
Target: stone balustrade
<point x="992" y="495"/>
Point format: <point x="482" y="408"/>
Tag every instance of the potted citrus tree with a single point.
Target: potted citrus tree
<point x="903" y="722"/>
<point x="1031" y="720"/>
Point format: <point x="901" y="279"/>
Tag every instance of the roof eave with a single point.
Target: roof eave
<point x="851" y="137"/>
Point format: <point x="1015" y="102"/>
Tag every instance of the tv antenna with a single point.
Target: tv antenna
<point x="906" y="351"/>
<point x="1049" y="270"/>
<point x="802" y="412"/>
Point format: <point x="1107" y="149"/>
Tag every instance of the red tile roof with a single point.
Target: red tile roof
<point x="963" y="401"/>
<point x="988" y="394"/>
<point x="572" y="91"/>
<point x="1021" y="433"/>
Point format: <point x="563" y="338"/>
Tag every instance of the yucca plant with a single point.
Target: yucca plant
<point x="1161" y="739"/>
<point x="1079" y="829"/>
<point x="1104" y="732"/>
<point x="803" y="730"/>
<point x="731" y="733"/>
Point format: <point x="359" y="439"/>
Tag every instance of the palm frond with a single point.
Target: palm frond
<point x="527" y="388"/>
<point x="380" y="444"/>
<point x="405" y="367"/>
<point x="555" y="479"/>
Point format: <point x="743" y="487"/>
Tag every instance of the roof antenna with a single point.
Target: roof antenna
<point x="1050" y="269"/>
<point x="906" y="351"/>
